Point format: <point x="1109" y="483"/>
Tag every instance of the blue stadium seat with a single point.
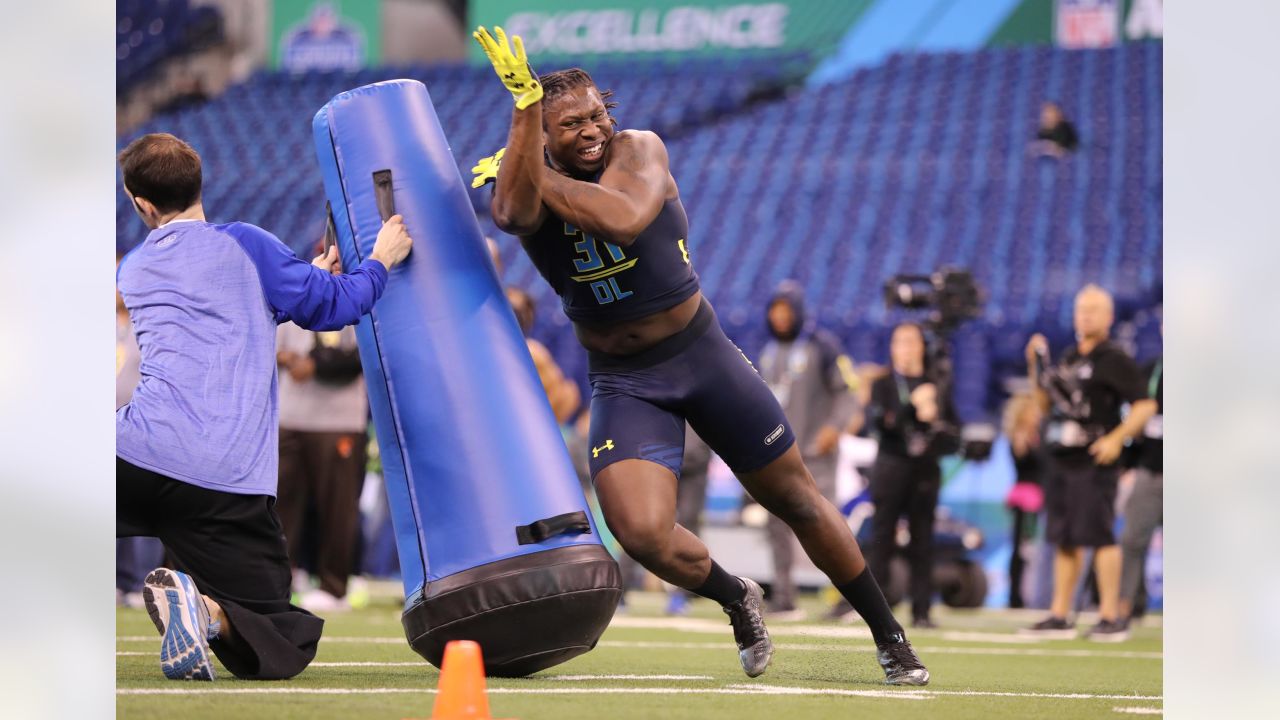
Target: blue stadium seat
<point x="915" y="164"/>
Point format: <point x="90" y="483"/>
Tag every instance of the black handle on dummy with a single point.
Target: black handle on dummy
<point x="382" y="194"/>
<point x="330" y="231"/>
<point x="572" y="523"/>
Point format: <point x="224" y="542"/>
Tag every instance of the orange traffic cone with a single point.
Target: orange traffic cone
<point x="461" y="694"/>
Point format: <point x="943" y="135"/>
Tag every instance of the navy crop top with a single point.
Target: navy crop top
<point x="602" y="283"/>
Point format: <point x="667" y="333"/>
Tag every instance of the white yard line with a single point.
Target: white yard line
<point x="729" y="690"/>
<point x="1138" y="710"/>
<point x="623" y="677"/>
<point x="764" y="690"/>
<point x="854" y="632"/>
<point x="420" y="663"/>
<point x="811" y="647"/>
<point x="1037" y="652"/>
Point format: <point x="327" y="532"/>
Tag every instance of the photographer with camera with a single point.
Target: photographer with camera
<point x="912" y="414"/>
<point x="1085" y="435"/>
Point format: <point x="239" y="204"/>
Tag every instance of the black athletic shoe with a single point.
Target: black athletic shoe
<point x="1110" y="631"/>
<point x="900" y="663"/>
<point x="755" y="649"/>
<point x="924" y="623"/>
<point x="1051" y="628"/>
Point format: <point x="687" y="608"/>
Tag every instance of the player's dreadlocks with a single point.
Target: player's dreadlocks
<point x="560" y="82"/>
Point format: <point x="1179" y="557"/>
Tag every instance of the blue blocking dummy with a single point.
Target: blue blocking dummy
<point x="495" y="539"/>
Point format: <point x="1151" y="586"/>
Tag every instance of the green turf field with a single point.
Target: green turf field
<point x="649" y="666"/>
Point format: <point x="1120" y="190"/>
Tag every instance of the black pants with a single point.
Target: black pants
<point x="327" y="469"/>
<point x="902" y="486"/>
<point x="233" y="548"/>
<point x="1017" y="564"/>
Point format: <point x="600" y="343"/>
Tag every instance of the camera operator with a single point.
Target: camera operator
<point x="1085" y="435"/>
<point x="912" y="413"/>
<point x="1145" y="509"/>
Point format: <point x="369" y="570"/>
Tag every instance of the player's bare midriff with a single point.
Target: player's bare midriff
<point x="640" y="334"/>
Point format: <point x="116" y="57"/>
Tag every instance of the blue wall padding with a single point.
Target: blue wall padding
<point x="470" y="447"/>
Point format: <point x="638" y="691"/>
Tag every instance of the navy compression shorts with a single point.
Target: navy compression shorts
<point x="639" y="403"/>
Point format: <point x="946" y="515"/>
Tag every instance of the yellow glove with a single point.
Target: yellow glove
<point x="512" y="68"/>
<point x="487" y="169"/>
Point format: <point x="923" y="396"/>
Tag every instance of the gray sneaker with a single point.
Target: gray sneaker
<point x="755" y="649"/>
<point x="900" y="663"/>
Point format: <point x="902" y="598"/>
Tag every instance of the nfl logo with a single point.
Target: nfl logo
<point x="1087" y="23"/>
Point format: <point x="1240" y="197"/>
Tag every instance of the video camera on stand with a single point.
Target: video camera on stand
<point x="952" y="297"/>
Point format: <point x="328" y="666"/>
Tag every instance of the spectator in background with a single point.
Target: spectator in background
<point x="562" y="393"/>
<point x="135" y="556"/>
<point x="324" y="411"/>
<point x="1022" y="417"/>
<point x="1087" y="388"/>
<point x="1056" y="136"/>
<point x="1145" y="510"/>
<point x="915" y="423"/>
<point x="814" y="382"/>
<point x="494" y="255"/>
<point x="188" y="92"/>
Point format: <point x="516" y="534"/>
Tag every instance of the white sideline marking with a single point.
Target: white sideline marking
<point x="856" y="632"/>
<point x="729" y="690"/>
<point x="708" y="627"/>
<point x="749" y="690"/>
<point x="622" y="677"/>
<point x="986" y="637"/>
<point x="942" y="693"/>
<point x="420" y="663"/>
<point x="1035" y="652"/>
<point x="1130" y="654"/>
<point x="1138" y="710"/>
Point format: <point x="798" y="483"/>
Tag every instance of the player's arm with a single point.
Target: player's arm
<point x="517" y="196"/>
<point x="627" y="198"/>
<point x="311" y="296"/>
<point x="517" y="202"/>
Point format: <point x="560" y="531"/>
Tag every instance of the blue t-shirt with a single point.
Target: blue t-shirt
<point x="205" y="301"/>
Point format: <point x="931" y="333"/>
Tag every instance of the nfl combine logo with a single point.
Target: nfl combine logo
<point x="1087" y="23"/>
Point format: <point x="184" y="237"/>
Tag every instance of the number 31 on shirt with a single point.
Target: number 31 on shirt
<point x="592" y="267"/>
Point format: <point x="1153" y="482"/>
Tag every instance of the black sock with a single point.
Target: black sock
<point x="721" y="586"/>
<point x="863" y="593"/>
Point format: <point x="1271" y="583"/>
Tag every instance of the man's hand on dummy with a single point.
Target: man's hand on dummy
<point x="393" y="243"/>
<point x="329" y="260"/>
<point x="512" y="67"/>
<point x="487" y="169"/>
